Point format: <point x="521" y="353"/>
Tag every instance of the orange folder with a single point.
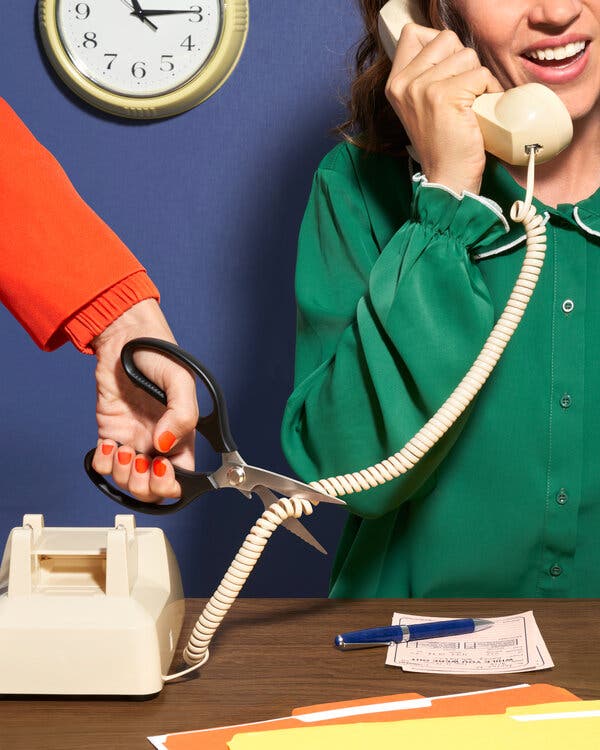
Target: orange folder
<point x="485" y="702"/>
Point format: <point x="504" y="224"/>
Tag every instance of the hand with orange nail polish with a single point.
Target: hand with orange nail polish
<point x="129" y="418"/>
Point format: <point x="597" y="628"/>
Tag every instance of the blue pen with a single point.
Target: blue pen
<point x="402" y="633"/>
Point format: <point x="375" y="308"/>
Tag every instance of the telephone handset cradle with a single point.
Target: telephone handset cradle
<point x="88" y="611"/>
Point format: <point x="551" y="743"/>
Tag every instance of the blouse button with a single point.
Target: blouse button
<point x="555" y="571"/>
<point x="568" y="306"/>
<point x="566" y="401"/>
<point x="562" y="496"/>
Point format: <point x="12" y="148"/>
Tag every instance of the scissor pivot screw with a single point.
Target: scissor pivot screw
<point x="236" y="475"/>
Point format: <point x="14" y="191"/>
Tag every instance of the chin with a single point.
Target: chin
<point x="578" y="108"/>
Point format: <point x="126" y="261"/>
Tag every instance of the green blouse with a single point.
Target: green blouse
<point x="398" y="284"/>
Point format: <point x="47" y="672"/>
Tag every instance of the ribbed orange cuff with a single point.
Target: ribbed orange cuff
<point x="91" y="320"/>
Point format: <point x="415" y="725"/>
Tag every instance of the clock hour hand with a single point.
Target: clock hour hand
<point x="139" y="13"/>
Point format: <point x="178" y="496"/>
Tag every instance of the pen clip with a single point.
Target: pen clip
<point x="343" y="646"/>
<point x="370" y="637"/>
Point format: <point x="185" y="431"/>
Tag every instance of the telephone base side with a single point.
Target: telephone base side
<point x="88" y="611"/>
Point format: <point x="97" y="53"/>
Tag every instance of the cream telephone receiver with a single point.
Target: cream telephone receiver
<point x="510" y="121"/>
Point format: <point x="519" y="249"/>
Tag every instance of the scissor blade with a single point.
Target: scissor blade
<point x="284" y="485"/>
<point x="291" y="524"/>
<point x="294" y="525"/>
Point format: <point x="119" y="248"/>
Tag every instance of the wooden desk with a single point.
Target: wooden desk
<point x="273" y="654"/>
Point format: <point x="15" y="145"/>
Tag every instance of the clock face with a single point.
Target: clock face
<point x="139" y="48"/>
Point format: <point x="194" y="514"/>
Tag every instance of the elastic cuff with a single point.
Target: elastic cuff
<point x="95" y="317"/>
<point x="471" y="219"/>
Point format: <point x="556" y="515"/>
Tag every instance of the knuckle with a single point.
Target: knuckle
<point x="394" y="89"/>
<point x="412" y="91"/>
<point x="435" y="94"/>
<point x="156" y="487"/>
<point x="187" y="422"/>
<point x="470" y="56"/>
<point x="449" y="37"/>
<point x="140" y="491"/>
<point x="120" y="483"/>
<point x="409" y="30"/>
<point x="161" y="487"/>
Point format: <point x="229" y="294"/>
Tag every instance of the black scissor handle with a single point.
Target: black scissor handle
<point x="192" y="486"/>
<point x="214" y="426"/>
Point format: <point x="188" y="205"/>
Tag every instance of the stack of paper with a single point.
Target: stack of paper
<point x="514" y="644"/>
<point x="551" y="726"/>
<point x="375" y="720"/>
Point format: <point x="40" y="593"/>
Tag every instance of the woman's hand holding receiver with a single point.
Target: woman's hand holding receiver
<point x="432" y="86"/>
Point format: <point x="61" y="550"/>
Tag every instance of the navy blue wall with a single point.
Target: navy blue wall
<point x="210" y="202"/>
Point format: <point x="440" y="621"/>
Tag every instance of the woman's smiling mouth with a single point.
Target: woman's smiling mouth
<point x="557" y="55"/>
<point x="557" y="63"/>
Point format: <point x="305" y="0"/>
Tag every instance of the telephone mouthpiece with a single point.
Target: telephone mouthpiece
<point x="527" y="115"/>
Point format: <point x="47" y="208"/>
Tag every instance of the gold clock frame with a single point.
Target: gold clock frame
<point x="215" y="71"/>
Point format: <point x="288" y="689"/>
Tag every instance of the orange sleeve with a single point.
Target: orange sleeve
<point x="64" y="274"/>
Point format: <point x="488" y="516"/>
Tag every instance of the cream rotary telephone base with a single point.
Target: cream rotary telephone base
<point x="88" y="611"/>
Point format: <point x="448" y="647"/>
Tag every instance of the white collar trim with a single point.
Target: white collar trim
<point x="585" y="227"/>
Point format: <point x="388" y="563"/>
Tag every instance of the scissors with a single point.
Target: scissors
<point x="233" y="472"/>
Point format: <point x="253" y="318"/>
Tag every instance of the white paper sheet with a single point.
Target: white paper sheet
<point x="512" y="644"/>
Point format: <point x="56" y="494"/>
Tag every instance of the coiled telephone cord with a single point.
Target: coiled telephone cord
<point x="399" y="463"/>
<point x="196" y="652"/>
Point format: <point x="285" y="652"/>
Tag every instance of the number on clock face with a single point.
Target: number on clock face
<point x="139" y="47"/>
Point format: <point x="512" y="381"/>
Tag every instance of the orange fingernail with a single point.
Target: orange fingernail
<point x="124" y="457"/>
<point x="159" y="467"/>
<point x="141" y="465"/>
<point x="107" y="449"/>
<point x="166" y="441"/>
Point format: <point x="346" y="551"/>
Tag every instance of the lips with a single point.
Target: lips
<point x="557" y="63"/>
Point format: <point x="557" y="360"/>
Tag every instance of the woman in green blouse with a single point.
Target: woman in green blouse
<point x="400" y="279"/>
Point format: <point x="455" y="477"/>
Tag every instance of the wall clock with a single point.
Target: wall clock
<point x="143" y="58"/>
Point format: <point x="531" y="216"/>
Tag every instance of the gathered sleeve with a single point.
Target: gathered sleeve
<point x="384" y="333"/>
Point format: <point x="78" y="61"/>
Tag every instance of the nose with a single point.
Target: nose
<point x="556" y="13"/>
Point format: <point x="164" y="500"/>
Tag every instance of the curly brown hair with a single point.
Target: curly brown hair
<point x="372" y="123"/>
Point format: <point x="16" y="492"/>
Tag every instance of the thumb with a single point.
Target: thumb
<point x="181" y="415"/>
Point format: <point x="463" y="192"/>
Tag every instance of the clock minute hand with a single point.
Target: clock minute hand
<point x="163" y="12"/>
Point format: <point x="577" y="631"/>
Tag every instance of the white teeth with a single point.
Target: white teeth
<point x="557" y="53"/>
